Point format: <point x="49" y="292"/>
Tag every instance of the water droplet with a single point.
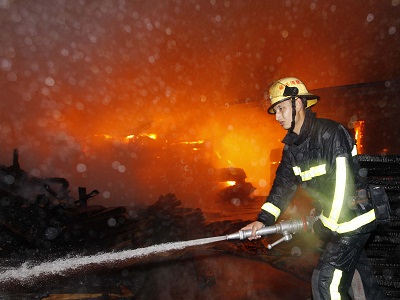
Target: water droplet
<point x="5" y="64"/>
<point x="51" y="233"/>
<point x="35" y="172"/>
<point x="121" y="169"/>
<point x="363" y="172"/>
<point x="262" y="182"/>
<point x="81" y="167"/>
<point x="111" y="222"/>
<point x="115" y="164"/>
<point x="296" y="251"/>
<point x="9" y="179"/>
<point x="235" y="201"/>
<point x="387" y="274"/>
<point x="49" y="81"/>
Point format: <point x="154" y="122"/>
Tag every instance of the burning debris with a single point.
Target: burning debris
<point x="39" y="214"/>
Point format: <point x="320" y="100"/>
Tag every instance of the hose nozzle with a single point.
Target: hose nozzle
<point x="244" y="234"/>
<point x="285" y="228"/>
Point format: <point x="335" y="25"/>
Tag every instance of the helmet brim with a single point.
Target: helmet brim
<point x="311" y="101"/>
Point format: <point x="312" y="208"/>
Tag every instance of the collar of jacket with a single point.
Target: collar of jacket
<point x="305" y="131"/>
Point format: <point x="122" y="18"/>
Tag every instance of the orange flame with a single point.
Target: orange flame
<point x="359" y="134"/>
<point x="193" y="143"/>
<point x="230" y="183"/>
<point x="128" y="138"/>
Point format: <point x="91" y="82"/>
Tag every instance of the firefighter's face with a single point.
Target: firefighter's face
<point x="283" y="114"/>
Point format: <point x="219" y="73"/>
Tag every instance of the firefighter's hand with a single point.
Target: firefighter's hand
<point x="254" y="227"/>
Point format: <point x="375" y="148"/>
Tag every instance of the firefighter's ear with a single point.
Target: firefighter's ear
<point x="299" y="104"/>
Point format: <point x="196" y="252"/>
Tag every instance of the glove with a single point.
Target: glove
<point x="322" y="232"/>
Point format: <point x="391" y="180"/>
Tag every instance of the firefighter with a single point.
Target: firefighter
<point x="320" y="156"/>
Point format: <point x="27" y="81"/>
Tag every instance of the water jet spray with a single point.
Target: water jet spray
<point x="26" y="272"/>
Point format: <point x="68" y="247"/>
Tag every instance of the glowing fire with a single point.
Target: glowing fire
<point x="359" y="134"/>
<point x="133" y="138"/>
<point x="230" y="183"/>
<point x="128" y="138"/>
<point x="153" y="136"/>
<point x="192" y="143"/>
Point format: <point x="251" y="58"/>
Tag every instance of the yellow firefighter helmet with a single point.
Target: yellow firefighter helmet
<point x="287" y="88"/>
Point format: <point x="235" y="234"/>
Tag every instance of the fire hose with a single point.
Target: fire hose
<point x="285" y="228"/>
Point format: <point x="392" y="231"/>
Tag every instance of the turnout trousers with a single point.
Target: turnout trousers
<point x="332" y="277"/>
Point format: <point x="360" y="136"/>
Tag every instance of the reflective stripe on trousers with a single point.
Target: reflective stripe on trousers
<point x="329" y="283"/>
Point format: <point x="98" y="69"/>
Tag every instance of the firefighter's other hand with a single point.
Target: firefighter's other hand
<point x="254" y="227"/>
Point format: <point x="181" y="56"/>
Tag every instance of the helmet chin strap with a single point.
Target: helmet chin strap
<point x="292" y="92"/>
<point x="293" y="113"/>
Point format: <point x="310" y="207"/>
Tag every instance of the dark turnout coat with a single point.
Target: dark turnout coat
<point x="322" y="159"/>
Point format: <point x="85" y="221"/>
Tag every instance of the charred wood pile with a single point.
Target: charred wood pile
<point x="384" y="247"/>
<point x="39" y="214"/>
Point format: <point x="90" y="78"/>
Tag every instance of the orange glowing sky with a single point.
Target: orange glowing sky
<point x="71" y="70"/>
